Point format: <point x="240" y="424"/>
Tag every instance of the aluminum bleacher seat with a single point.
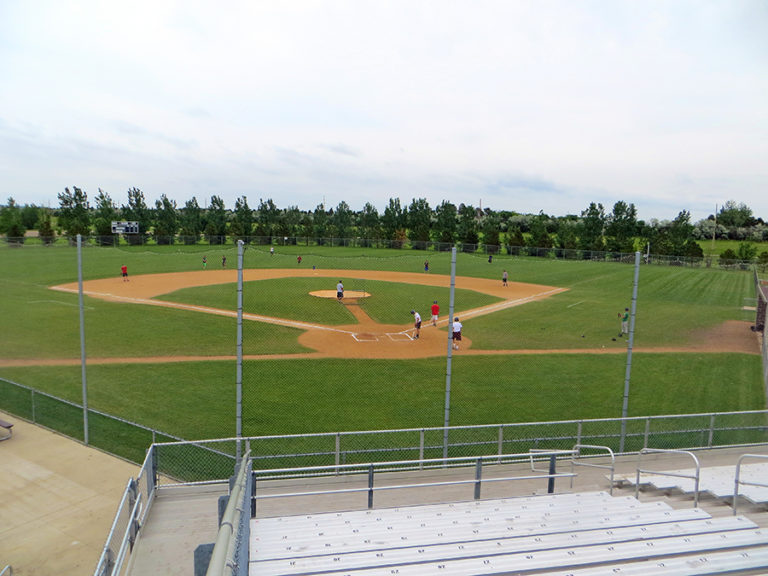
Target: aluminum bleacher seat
<point x="517" y="535"/>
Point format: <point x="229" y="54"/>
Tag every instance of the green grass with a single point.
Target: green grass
<point x="720" y="246"/>
<point x="290" y="298"/>
<point x="197" y="399"/>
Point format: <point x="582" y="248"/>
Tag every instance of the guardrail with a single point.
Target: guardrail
<point x="133" y="509"/>
<point x="738" y="481"/>
<point x="230" y="552"/>
<point x="371" y="468"/>
<point x="695" y="477"/>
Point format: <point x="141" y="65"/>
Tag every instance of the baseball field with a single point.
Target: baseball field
<point x="161" y="344"/>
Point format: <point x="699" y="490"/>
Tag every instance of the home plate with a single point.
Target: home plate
<point x="399" y="336"/>
<point x="364" y="337"/>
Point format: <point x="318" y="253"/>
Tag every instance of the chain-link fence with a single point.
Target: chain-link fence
<point x="309" y="242"/>
<point x="212" y="460"/>
<point x="160" y="342"/>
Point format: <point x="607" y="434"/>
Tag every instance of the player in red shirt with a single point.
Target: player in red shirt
<point x="435" y="312"/>
<point x="124" y="272"/>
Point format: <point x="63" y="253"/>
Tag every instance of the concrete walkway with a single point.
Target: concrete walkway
<point x="57" y="501"/>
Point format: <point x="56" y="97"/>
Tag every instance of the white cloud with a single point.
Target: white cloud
<point x="526" y="105"/>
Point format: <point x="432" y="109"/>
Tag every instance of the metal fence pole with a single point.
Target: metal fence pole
<point x="239" y="372"/>
<point x="447" y="419"/>
<point x="625" y="405"/>
<point x="82" y="335"/>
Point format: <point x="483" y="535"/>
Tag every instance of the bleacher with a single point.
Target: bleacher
<point x="730" y="483"/>
<point x="585" y="533"/>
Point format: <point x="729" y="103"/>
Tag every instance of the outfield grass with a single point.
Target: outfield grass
<point x="196" y="400"/>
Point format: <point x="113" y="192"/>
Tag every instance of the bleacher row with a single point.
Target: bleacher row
<point x="589" y="533"/>
<point x="715" y="480"/>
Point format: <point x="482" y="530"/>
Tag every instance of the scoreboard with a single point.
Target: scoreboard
<point x="125" y="227"/>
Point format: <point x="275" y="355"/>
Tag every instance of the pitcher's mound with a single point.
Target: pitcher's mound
<point x="348" y="294"/>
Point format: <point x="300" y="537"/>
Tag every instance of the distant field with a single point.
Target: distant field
<point x="285" y="393"/>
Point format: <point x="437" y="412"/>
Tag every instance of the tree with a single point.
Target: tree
<point x="288" y="223"/>
<point x="47" y="234"/>
<point x="368" y="224"/>
<point x="305" y="226"/>
<point x="393" y="223"/>
<point x="490" y="227"/>
<point x="106" y="213"/>
<point x="733" y="215"/>
<point x="30" y="216"/>
<point x="341" y="220"/>
<point x="728" y="258"/>
<point x="267" y="216"/>
<point x="216" y="225"/>
<point x="566" y="237"/>
<point x="444" y="230"/>
<point x="540" y="238"/>
<point x="137" y="211"/>
<point x="591" y="227"/>
<point x="74" y="212"/>
<point x="166" y="220"/>
<point x="11" y="223"/>
<point x="191" y="222"/>
<point x="320" y="224"/>
<point x="241" y="226"/>
<point x="746" y="252"/>
<point x="762" y="261"/>
<point x="621" y="228"/>
<point x="419" y="222"/>
<point x="467" y="228"/>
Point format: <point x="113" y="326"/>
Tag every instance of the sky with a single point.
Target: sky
<point x="540" y="105"/>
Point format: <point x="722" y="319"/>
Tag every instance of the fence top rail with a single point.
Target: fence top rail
<point x="494" y="458"/>
<point x="456" y="428"/>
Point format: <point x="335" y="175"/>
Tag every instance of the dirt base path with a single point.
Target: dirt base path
<point x="366" y="338"/>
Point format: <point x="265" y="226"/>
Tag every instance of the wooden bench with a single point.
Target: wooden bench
<point x="8" y="427"/>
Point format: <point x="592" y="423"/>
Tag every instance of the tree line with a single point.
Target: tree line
<point x="418" y="223"/>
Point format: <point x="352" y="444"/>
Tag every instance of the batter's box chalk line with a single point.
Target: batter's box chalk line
<point x="365" y="337"/>
<point x="399" y="336"/>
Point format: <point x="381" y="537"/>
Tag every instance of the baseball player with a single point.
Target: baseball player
<point x="416" y="324"/>
<point x="624" y="322"/>
<point x="456" y="333"/>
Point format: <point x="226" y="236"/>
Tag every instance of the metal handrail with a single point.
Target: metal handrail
<point x="413" y="464"/>
<point x="738" y="481"/>
<point x="611" y="467"/>
<point x="7" y="571"/>
<point x="224" y="550"/>
<point x="695" y="477"/>
<point x="537" y="453"/>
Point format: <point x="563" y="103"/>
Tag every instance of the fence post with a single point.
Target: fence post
<point x="552" y="470"/>
<point x="501" y="441"/>
<point x="338" y="451"/>
<point x="578" y="432"/>
<point x="421" y="449"/>
<point x="370" y="486"/>
<point x="478" y="477"/>
<point x="711" y="430"/>
<point x="647" y="432"/>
